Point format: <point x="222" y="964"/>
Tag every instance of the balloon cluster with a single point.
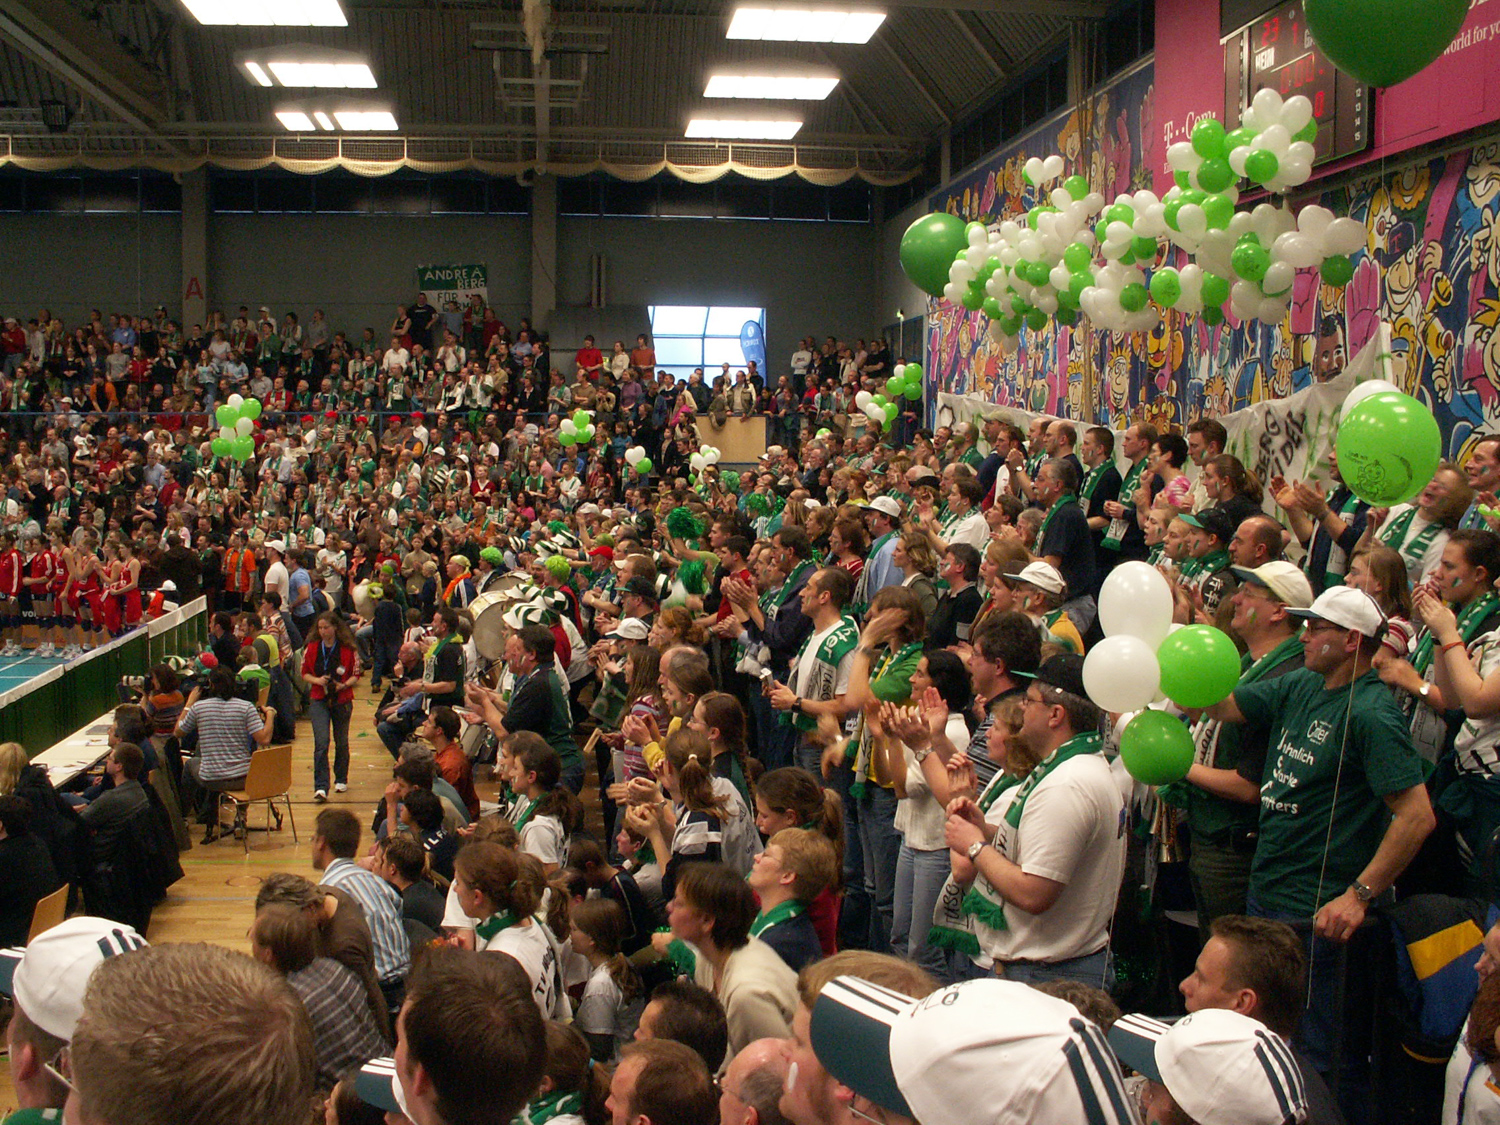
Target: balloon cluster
<point x="577" y="430"/>
<point x="636" y="458"/>
<point x="706" y="456"/>
<point x="1073" y="254"/>
<point x="1143" y="658"/>
<point x="236" y="416"/>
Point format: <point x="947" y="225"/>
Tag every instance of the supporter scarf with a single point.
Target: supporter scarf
<point x="524" y="815"/>
<point x="1395" y="536"/>
<point x="494" y="924"/>
<point x="1470" y="618"/>
<point x="789" y="587"/>
<point x="785" y="912"/>
<point x="1091" y="481"/>
<point x="952" y="925"/>
<point x="559" y="1103"/>
<point x="1115" y="533"/>
<point x="1057" y="505"/>
<point x="991" y="910"/>
<point x="839" y="643"/>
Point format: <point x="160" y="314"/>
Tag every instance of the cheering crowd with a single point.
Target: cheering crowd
<point x="862" y="840"/>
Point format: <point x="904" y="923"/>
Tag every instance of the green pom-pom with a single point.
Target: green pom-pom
<point x="730" y="480"/>
<point x="557" y="527"/>
<point x="558" y="567"/>
<point x="759" y="503"/>
<point x="691" y="574"/>
<point x="682" y="524"/>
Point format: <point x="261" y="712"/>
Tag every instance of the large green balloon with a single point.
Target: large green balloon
<point x="1208" y="142"/>
<point x="244" y="448"/>
<point x="1250" y="259"/>
<point x="1383" y="42"/>
<point x="250" y="409"/>
<point x="1166" y="286"/>
<point x="226" y="415"/>
<point x="1389" y="446"/>
<point x="1215" y="289"/>
<point x="973" y="298"/>
<point x="1133" y="297"/>
<point x="1156" y="747"/>
<point x="1077" y="256"/>
<point x="1337" y="270"/>
<point x="1218" y="210"/>
<point x="1215" y="174"/>
<point x="928" y="248"/>
<point x="1262" y="166"/>
<point x="913" y="390"/>
<point x="643" y="466"/>
<point x="1199" y="666"/>
<point x="221" y="447"/>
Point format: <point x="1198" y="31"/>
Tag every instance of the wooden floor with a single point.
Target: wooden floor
<point x="214" y="901"/>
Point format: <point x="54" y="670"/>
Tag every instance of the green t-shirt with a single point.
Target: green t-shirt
<point x="33" y="1117"/>
<point x="560" y="731"/>
<point x="1305" y="726"/>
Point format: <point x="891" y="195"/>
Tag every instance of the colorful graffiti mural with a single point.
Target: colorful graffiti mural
<point x="1431" y="270"/>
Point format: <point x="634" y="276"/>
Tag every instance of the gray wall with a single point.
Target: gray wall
<point x="820" y="278"/>
<point x="74" y="263"/>
<point x="895" y="291"/>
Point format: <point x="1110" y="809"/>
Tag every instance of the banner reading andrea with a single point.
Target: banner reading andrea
<point x="452" y="283"/>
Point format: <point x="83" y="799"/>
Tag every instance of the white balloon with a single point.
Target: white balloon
<point x="1301" y="150"/>
<point x="1047" y="302"/>
<point x="711" y="454"/>
<point x="1010" y="230"/>
<point x="1343" y="236"/>
<point x="1053" y="166"/>
<point x="1274" y="138"/>
<point x="1265" y="220"/>
<point x="234" y="401"/>
<point x="976" y="256"/>
<point x="1296" y="113"/>
<point x="863" y="399"/>
<point x="634" y="454"/>
<point x="1061" y="198"/>
<point x="1135" y="601"/>
<point x="1060" y="277"/>
<point x="1270" y="310"/>
<point x="1240" y="224"/>
<point x="1314" y="220"/>
<point x="953" y="293"/>
<point x="1190" y="277"/>
<point x="244" y="427"/>
<point x="696" y="462"/>
<point x="1151" y="222"/>
<point x="962" y="272"/>
<point x="1119" y="232"/>
<point x="1121" y="673"/>
<point x="1143" y="199"/>
<point x="1296" y="250"/>
<point x="568" y="426"/>
<point x="1192" y="221"/>
<point x="1363" y="391"/>
<point x="1009" y="256"/>
<point x="875" y="412"/>
<point x="1267" y="106"/>
<point x="1294" y="172"/>
<point x="977" y="236"/>
<point x="1278" y="279"/>
<point x="1095" y="202"/>
<point x="1214" y="251"/>
<point x="1180" y="157"/>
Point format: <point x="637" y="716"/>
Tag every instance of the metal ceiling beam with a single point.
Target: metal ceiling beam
<point x="862" y="109"/>
<point x="911" y="76"/>
<point x="1000" y="64"/>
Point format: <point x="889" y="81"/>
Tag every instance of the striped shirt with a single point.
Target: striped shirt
<point x="382" y="908"/>
<point x="225" y="729"/>
<point x="344" y="1031"/>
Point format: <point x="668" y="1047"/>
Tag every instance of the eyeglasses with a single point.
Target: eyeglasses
<point x="61" y="1068"/>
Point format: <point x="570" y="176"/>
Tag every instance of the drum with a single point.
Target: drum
<point x="489" y="630"/>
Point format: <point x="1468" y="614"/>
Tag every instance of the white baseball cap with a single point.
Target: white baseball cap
<point x="277" y="545"/>
<point x="1285" y="581"/>
<point x="1042" y="575"/>
<point x="984" y="1052"/>
<point x="1348" y="608"/>
<point x="1221" y="1067"/>
<point x="630" y="629"/>
<point x="47" y="978"/>
<point x="887" y="505"/>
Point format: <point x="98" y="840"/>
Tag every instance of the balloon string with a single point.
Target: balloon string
<point x="1333" y="809"/>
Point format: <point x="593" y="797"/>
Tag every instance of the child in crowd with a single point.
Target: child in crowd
<point x="544" y="812"/>
<point x="573" y="1089"/>
<point x="614" y="884"/>
<point x="611" y="1004"/>
<point x="797" y="866"/>
<point x="792" y="798"/>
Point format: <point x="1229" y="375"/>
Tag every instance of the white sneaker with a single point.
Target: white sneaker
<point x="320" y="795"/>
<point x="341" y="787"/>
<point x="10" y="649"/>
<point x="45" y="651"/>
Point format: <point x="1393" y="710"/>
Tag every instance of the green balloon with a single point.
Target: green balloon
<point x="225" y="415"/>
<point x="220" y="447"/>
<point x="1018" y="305"/>
<point x="891" y="410"/>
<point x="1250" y="260"/>
<point x="1120" y="213"/>
<point x="1067" y="300"/>
<point x="1039" y="273"/>
<point x="1215" y="175"/>
<point x="1011" y="325"/>
<point x="1194" y="195"/>
<point x="643" y="466"/>
<point x="1076" y="186"/>
<point x="1238" y="138"/>
<point x="565" y="438"/>
<point x="1389" y="445"/>
<point x="244" y="448"/>
<point x="1170" y="211"/>
<point x="1036" y="320"/>
<point x="1199" y="666"/>
<point x="1262" y="166"/>
<point x="1213" y="316"/>
<point x="1208" y="141"/>
<point x="1181" y="178"/>
<point x="1077" y="256"/>
<point x="251" y="409"/>
<point x="913" y="390"/>
<point x="1384" y="42"/>
<point x="879" y="400"/>
<point x="1215" y="289"/>
<point x="1156" y="748"/>
<point x="913" y="373"/>
<point x="1133" y="297"/>
<point x="1337" y="270"/>
<point x="929" y="247"/>
<point x="1308" y="133"/>
<point x="1218" y="210"/>
<point x="973" y="298"/>
<point x="1033" y="217"/>
<point x="1078" y="283"/>
<point x="894" y="387"/>
<point x="1066" y="315"/>
<point x="970" y="229"/>
<point x="991" y="309"/>
<point x="1166" y="286"/>
<point x="1143" y="248"/>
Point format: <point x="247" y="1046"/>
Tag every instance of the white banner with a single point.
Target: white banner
<point x="453" y="283"/>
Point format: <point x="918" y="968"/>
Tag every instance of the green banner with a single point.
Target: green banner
<point x="453" y="283"/>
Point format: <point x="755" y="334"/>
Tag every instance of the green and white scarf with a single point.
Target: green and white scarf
<point x="1091" y="481"/>
<point x="952" y="925"/>
<point x="784" y="912"/>
<point x="820" y="683"/>
<point x="1394" y="535"/>
<point x="1057" y="506"/>
<point x="494" y="924"/>
<point x="1115" y="533"/>
<point x="860" y="738"/>
<point x="983" y="902"/>
<point x="559" y="1103"/>
<point x="1470" y="618"/>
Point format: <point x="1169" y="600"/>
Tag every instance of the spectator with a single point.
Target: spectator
<point x="334" y="846"/>
<point x="226" y="726"/>
<point x="27" y="874"/>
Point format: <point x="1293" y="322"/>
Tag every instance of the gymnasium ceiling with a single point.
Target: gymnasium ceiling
<point x="142" y="81"/>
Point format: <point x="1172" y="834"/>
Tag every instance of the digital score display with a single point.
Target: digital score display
<point x="1277" y="52"/>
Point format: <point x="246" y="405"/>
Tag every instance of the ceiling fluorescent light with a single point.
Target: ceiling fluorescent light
<point x="257" y="73"/>
<point x="805" y="25"/>
<point x="324" y="121"/>
<point x="326" y="75"/>
<point x="771" y="87"/>
<point x="269" y="13"/>
<point x="739" y="129"/>
<point x="365" y="120"/>
<point x="295" y="120"/>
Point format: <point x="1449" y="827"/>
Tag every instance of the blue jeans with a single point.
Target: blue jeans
<point x="880" y="845"/>
<point x="855" y="910"/>
<point x="962" y="967"/>
<point x="809" y="756"/>
<point x="1094" y="970"/>
<point x="919" y="881"/>
<point x="323" y="715"/>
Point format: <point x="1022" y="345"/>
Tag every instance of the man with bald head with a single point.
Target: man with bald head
<point x="1258" y="540"/>
<point x="750" y="1090"/>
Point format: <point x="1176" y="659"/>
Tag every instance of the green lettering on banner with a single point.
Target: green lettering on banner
<point x="453" y="282"/>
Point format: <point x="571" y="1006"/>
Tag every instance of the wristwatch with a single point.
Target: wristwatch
<point x="1362" y="892"/>
<point x="1425" y="690"/>
<point x="975" y="848"/>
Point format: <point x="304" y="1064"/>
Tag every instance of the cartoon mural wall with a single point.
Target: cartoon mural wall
<point x="1431" y="270"/>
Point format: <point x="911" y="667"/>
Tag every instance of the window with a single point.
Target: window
<point x="706" y="336"/>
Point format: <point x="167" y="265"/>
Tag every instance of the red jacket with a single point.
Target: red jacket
<point x="347" y="660"/>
